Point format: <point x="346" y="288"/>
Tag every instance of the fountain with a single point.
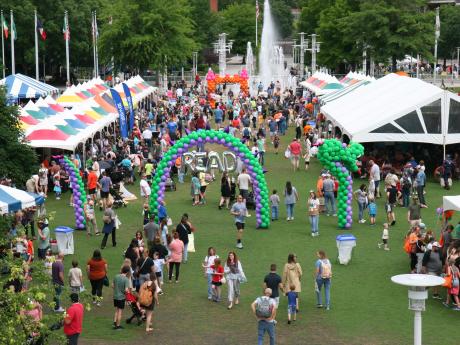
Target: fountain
<point x="267" y="69"/>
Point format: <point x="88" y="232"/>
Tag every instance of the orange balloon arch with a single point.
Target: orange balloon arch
<point x="214" y="80"/>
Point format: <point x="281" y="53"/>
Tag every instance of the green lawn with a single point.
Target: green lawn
<point x="367" y="308"/>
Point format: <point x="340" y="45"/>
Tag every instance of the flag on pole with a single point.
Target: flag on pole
<point x="257" y="9"/>
<point x="4" y="27"/>
<point x="94" y="30"/>
<point x="13" y="31"/>
<point x="438" y="24"/>
<point x="66" y="29"/>
<point x="41" y="29"/>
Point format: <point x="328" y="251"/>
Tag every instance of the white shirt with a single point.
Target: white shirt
<point x="209" y="260"/>
<point x="179" y="92"/>
<point x="147" y="134"/>
<point x="375" y="172"/>
<point x="75" y="276"/>
<point x="243" y="181"/>
<point x="145" y="188"/>
<point x="385" y="234"/>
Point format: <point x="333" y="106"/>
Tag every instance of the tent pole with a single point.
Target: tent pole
<point x="444" y="147"/>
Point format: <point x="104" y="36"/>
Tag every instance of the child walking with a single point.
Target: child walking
<point x="454" y="290"/>
<point x="276" y="142"/>
<point x="372" y="207"/>
<point x="159" y="263"/>
<point x="75" y="278"/>
<point x="385" y="237"/>
<point x="275" y="203"/>
<point x="292" y="304"/>
<point x="217" y="276"/>
<point x="57" y="186"/>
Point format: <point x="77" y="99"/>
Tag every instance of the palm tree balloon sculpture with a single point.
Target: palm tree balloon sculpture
<point x="340" y="159"/>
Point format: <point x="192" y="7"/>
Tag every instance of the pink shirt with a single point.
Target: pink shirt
<point x="177" y="248"/>
<point x="295" y="148"/>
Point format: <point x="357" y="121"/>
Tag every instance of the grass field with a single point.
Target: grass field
<point x="366" y="307"/>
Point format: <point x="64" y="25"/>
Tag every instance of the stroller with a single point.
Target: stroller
<point x="117" y="197"/>
<point x="170" y="184"/>
<point x="131" y="300"/>
<point x="250" y="201"/>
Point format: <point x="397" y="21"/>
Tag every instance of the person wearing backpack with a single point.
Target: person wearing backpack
<point x="406" y="187"/>
<point x="264" y="308"/>
<point x="148" y="297"/>
<point x="323" y="278"/>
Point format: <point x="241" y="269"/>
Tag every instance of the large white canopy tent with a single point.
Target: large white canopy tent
<point x="397" y="109"/>
<point x="451" y="203"/>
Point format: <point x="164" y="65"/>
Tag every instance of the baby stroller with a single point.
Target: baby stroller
<point x="170" y="184"/>
<point x="250" y="201"/>
<point x="117" y="197"/>
<point x="131" y="300"/>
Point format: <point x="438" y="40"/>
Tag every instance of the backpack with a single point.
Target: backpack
<point x="264" y="308"/>
<point x="406" y="183"/>
<point x="326" y="269"/>
<point x="246" y="132"/>
<point x="145" y="295"/>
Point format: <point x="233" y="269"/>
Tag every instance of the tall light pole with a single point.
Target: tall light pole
<point x="314" y="50"/>
<point x="436" y="37"/>
<point x="458" y="63"/>
<point x="221" y="47"/>
<point x="195" y="64"/>
<point x="303" y="46"/>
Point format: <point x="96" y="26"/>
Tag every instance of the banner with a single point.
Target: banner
<point x="121" y="112"/>
<point x="129" y="99"/>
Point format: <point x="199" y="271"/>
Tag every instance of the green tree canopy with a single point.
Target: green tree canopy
<point x="148" y="34"/>
<point x="19" y="160"/>
<point x="450" y="31"/>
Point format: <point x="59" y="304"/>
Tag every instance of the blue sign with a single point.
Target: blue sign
<point x="129" y="99"/>
<point x="121" y="112"/>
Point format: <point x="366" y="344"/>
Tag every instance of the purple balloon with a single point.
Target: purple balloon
<point x="344" y="145"/>
<point x="348" y="218"/>
<point x="80" y="218"/>
<point x="180" y="150"/>
<point x="348" y="208"/>
<point x="337" y="164"/>
<point x="246" y="161"/>
<point x="208" y="139"/>
<point x="348" y="225"/>
<point x="350" y="195"/>
<point x="222" y="141"/>
<point x="192" y="141"/>
<point x="344" y="169"/>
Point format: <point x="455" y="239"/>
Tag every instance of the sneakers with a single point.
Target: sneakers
<point x="393" y="222"/>
<point x="289" y="322"/>
<point x="117" y="328"/>
<point x="456" y="308"/>
<point x="319" y="306"/>
<point x="387" y="249"/>
<point x="60" y="310"/>
<point x="436" y="296"/>
<point x="328" y="308"/>
<point x="362" y="221"/>
<point x="446" y="305"/>
<point x="379" y="245"/>
<point x="334" y="215"/>
<point x="239" y="245"/>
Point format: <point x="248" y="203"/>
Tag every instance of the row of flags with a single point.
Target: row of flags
<point x="40" y="28"/>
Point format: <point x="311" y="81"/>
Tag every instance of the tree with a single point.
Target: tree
<point x="282" y="15"/>
<point x="310" y="14"/>
<point x="148" y="34"/>
<point x="450" y="29"/>
<point x="238" y="21"/>
<point x="19" y="160"/>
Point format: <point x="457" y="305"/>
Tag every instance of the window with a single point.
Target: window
<point x="432" y="116"/>
<point x="388" y="128"/>
<point x="454" y="117"/>
<point x="410" y="123"/>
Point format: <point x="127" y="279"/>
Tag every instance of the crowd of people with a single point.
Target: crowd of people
<point x="157" y="251"/>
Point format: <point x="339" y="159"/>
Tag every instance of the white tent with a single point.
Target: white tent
<point x="451" y="203"/>
<point x="397" y="108"/>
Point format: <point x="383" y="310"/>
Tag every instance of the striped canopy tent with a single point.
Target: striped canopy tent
<point x="69" y="97"/>
<point x="19" y="86"/>
<point x="322" y="83"/>
<point x="12" y="199"/>
<point x="140" y="86"/>
<point x="31" y="109"/>
<point x="354" y="77"/>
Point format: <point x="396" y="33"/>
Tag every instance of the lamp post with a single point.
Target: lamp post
<point x="418" y="284"/>
<point x="458" y="63"/>
<point x="195" y="64"/>
<point x="221" y="47"/>
<point x="303" y="46"/>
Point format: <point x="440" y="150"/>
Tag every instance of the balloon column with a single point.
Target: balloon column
<point x="340" y="160"/>
<point x="78" y="190"/>
<point x="213" y="80"/>
<point x="230" y="142"/>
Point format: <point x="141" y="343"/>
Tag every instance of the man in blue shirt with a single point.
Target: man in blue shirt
<point x="420" y="181"/>
<point x="218" y="116"/>
<point x="172" y="129"/>
<point x="105" y="184"/>
<point x="240" y="211"/>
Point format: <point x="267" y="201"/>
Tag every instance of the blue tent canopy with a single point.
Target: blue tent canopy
<point x="19" y="86"/>
<point x="12" y="199"/>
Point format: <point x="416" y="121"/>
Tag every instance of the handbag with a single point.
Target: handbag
<point x="191" y="243"/>
<point x="448" y="281"/>
<point x="223" y="280"/>
<point x="169" y="221"/>
<point x="117" y="223"/>
<point x="106" y="219"/>
<point x="106" y="281"/>
<point x="287" y="153"/>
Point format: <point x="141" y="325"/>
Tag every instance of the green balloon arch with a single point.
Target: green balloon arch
<point x="182" y="145"/>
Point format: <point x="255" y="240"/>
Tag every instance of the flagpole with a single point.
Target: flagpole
<point x="13" y="69"/>
<point x="36" y="48"/>
<point x="67" y="47"/>
<point x="3" y="47"/>
<point x="96" y="39"/>
<point x="93" y="29"/>
<point x="436" y="35"/>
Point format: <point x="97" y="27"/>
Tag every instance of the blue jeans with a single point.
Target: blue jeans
<point x="329" y="199"/>
<point x="406" y="197"/>
<point x="261" y="158"/>
<point x="269" y="327"/>
<point x="290" y="210"/>
<point x="361" y="208"/>
<point x="327" y="290"/>
<point x="209" y="275"/>
<point x="314" y="220"/>
<point x="57" y="296"/>
<point x="275" y="212"/>
<point x="185" y="253"/>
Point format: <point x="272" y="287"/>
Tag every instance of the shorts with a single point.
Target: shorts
<point x="158" y="274"/>
<point x="217" y="283"/>
<point x="385" y="240"/>
<point x="272" y="134"/>
<point x="372" y="215"/>
<point x="292" y="309"/>
<point x="104" y="195"/>
<point x="203" y="189"/>
<point x="92" y="191"/>
<point x="389" y="207"/>
<point x="239" y="226"/>
<point x="294" y="157"/>
<point x="218" y="120"/>
<point x="244" y="193"/>
<point x="119" y="303"/>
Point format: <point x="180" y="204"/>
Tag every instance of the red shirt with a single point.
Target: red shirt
<point x="236" y="123"/>
<point x="92" y="180"/>
<point x="96" y="269"/>
<point x="217" y="277"/>
<point x="295" y="148"/>
<point x="75" y="315"/>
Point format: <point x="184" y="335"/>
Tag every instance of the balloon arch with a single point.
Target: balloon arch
<point x="78" y="189"/>
<point x="239" y="149"/>
<point x="340" y="159"/>
<point x="213" y="80"/>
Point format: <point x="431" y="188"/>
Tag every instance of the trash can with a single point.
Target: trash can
<point x="64" y="238"/>
<point x="345" y="244"/>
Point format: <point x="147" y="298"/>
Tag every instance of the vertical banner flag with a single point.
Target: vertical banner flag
<point x="5" y="27"/>
<point x="66" y="29"/>
<point x="129" y="99"/>
<point x="438" y="25"/>
<point x="121" y="112"/>
<point x="41" y="29"/>
<point x="257" y="9"/>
